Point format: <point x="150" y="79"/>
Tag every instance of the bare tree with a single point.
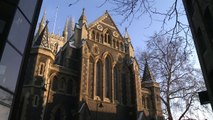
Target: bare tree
<point x="179" y="80"/>
<point x="172" y="17"/>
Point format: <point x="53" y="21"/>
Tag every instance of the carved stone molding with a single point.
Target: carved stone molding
<point x="100" y="27"/>
<point x="95" y="50"/>
<point x="115" y="34"/>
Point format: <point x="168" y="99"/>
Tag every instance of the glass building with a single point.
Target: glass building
<point x="200" y="17"/>
<point x="18" y="20"/>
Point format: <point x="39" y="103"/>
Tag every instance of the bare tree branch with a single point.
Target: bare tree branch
<point x="179" y="81"/>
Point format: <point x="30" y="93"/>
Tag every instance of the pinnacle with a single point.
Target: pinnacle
<point x="43" y="17"/>
<point x="126" y="34"/>
<point x="147" y="75"/>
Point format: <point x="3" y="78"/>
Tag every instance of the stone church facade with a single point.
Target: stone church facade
<point x="89" y="74"/>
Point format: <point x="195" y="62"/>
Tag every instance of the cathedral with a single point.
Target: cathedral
<point x="87" y="73"/>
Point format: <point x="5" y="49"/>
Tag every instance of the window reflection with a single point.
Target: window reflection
<point x="28" y="7"/>
<point x="19" y="31"/>
<point x="10" y="65"/>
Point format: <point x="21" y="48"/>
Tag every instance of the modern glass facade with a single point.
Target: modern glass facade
<point x="18" y="19"/>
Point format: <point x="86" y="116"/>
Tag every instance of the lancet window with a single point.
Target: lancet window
<point x="98" y="79"/>
<point x="108" y="77"/>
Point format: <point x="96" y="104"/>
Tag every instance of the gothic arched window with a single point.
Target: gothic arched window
<point x="93" y="35"/>
<point x="105" y="39"/>
<point x="101" y="38"/>
<point x="109" y="39"/>
<point x="91" y="78"/>
<point x="41" y="69"/>
<point x="107" y="77"/>
<point x="115" y="83"/>
<point x="62" y="84"/>
<point x="97" y="37"/>
<point x="113" y="45"/>
<point x="98" y="79"/>
<point x="121" y="46"/>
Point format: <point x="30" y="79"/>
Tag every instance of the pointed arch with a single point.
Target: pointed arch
<point x="117" y="44"/>
<point x="97" y="36"/>
<point x="121" y="46"/>
<point x="105" y="30"/>
<point x="107" y="36"/>
<point x="98" y="79"/>
<point x="41" y="69"/>
<point x="119" y="59"/>
<point x="93" y="35"/>
<point x="108" y="77"/>
<point x="58" y="113"/>
<point x="62" y="84"/>
<point x="101" y="38"/>
<point x="113" y="43"/>
<point x="107" y="54"/>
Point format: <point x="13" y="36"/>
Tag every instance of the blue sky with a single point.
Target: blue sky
<point x="138" y="30"/>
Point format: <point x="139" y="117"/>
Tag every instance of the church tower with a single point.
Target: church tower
<point x="109" y="71"/>
<point x="65" y="32"/>
<point x="35" y="82"/>
<point x="151" y="100"/>
<point x="89" y="74"/>
<point x="46" y="94"/>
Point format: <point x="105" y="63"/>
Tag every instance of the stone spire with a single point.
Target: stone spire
<point x="42" y="23"/>
<point x="82" y="20"/>
<point x="126" y="35"/>
<point x="147" y="75"/>
<point x="71" y="27"/>
<point x="42" y="40"/>
<point x="65" y="32"/>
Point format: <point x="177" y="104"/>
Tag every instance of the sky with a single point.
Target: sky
<point x="139" y="30"/>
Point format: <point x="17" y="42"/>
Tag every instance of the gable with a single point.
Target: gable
<point x="105" y="22"/>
